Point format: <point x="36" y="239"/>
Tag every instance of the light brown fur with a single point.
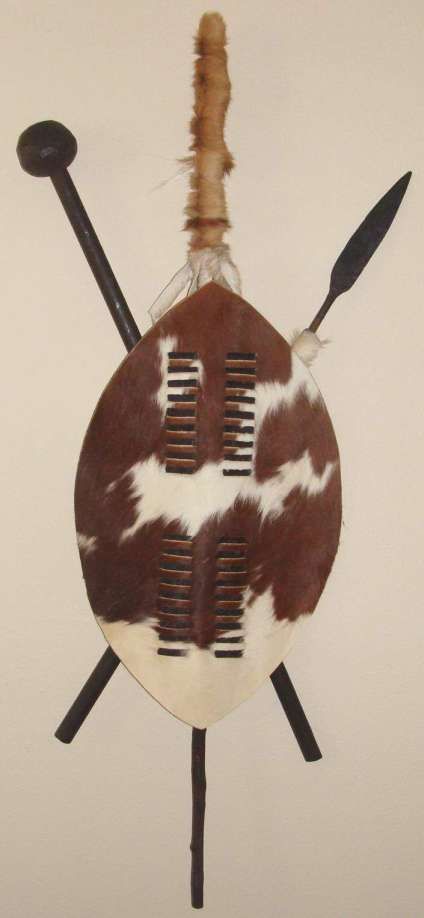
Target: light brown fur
<point x="206" y="208"/>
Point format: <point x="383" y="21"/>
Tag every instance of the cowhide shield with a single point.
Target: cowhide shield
<point x="208" y="504"/>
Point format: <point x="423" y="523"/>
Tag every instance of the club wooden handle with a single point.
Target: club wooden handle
<point x="47" y="149"/>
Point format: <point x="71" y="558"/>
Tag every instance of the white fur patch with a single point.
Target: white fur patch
<point x="306" y="345"/>
<point x="165" y="345"/>
<point x="270" y="396"/>
<point x="299" y="474"/>
<point x="193" y="499"/>
<point x="200" y="688"/>
<point x="86" y="544"/>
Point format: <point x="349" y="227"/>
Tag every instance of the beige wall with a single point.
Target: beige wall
<point x="327" y="114"/>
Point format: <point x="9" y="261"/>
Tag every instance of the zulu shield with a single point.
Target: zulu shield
<point x="207" y="504"/>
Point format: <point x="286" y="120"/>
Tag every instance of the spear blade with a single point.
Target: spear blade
<point x="362" y="245"/>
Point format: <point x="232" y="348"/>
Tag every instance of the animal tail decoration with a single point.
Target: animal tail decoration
<point x="209" y="162"/>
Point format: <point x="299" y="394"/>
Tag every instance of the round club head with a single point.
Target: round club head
<point x="45" y="148"/>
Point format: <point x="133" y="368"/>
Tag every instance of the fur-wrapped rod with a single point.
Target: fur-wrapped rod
<point x="207" y="217"/>
<point x="209" y="163"/>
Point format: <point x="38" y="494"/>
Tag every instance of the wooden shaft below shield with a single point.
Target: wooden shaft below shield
<point x="198" y="779"/>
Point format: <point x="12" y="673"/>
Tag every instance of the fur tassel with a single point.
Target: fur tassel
<point x="306" y="345"/>
<point x="209" y="257"/>
<point x="207" y="217"/>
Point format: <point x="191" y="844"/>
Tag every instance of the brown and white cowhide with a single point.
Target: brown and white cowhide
<point x="208" y="504"/>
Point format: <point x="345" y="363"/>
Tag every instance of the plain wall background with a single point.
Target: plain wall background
<point x="327" y="113"/>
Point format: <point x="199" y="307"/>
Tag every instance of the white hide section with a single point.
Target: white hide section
<point x="193" y="499"/>
<point x="203" y="266"/>
<point x="306" y="345"/>
<point x="271" y="396"/>
<point x="260" y="628"/>
<point x="299" y="474"/>
<point x="165" y="345"/>
<point x="200" y="688"/>
<point x="86" y="544"/>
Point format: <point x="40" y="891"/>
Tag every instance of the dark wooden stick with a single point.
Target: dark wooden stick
<point x="322" y="312"/>
<point x="47" y="149"/>
<point x="198" y="782"/>
<point x="295" y="714"/>
<point x="88" y="696"/>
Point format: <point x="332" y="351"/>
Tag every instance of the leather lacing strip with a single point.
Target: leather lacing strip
<point x="239" y="413"/>
<point x="174" y="600"/>
<point x="230" y="584"/>
<point x="181" y="414"/>
<point x="174" y="612"/>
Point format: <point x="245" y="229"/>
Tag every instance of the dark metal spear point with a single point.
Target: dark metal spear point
<point x="362" y="245"/>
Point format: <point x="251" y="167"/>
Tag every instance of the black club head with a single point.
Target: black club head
<point x="46" y="147"/>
